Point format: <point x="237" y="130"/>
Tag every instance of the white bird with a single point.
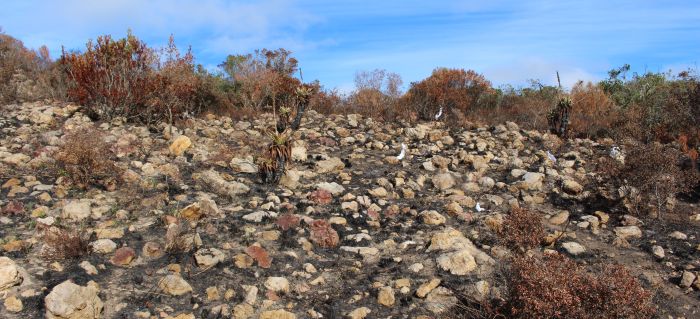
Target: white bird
<point x="478" y="208"/>
<point x="551" y="157"/>
<point x="403" y="152"/>
<point x="437" y="116"/>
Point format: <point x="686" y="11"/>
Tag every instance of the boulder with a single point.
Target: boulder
<point x="70" y="301"/>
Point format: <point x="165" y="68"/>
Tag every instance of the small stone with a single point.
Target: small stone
<point x="604" y="218"/>
<point x="658" y="251"/>
<point x="440" y="300"/>
<point x="174" y="285"/>
<point x="332" y="164"/>
<point x="573" y="248"/>
<point x="240" y="165"/>
<point x="334" y="188"/>
<point x="359" y="313"/>
<point x="13" y="304"/>
<point x="678" y="235"/>
<point x="192" y="212"/>
<point x="152" y="250"/>
<point x="88" y="267"/>
<point x="349" y="206"/>
<point x="457" y="263"/>
<point x="379" y="192"/>
<point x="572" y="187"/>
<point x="626" y="232"/>
<point x="180" y="145"/>
<point x="277" y="284"/>
<point x="213" y="293"/>
<point x="432" y="217"/>
<point x="123" y="256"/>
<point x="427" y="287"/>
<point x="243" y="261"/>
<point x="443" y="181"/>
<point x="687" y="279"/>
<point x="559" y="218"/>
<point x="76" y="210"/>
<point x="103" y="246"/>
<point x="243" y="311"/>
<point x="209" y="257"/>
<point x="417" y="267"/>
<point x="277" y="314"/>
<point x="386" y="296"/>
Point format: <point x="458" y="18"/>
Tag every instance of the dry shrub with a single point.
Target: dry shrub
<point x="260" y="79"/>
<point x="323" y="234"/>
<point x="60" y="243"/>
<point x="593" y="113"/>
<point x="326" y="102"/>
<point x="126" y="78"/>
<point x="86" y="159"/>
<point x="455" y="90"/>
<point x="27" y="75"/>
<point x="522" y="229"/>
<point x="654" y="169"/>
<point x="376" y="95"/>
<point x="555" y="286"/>
<point x="526" y="106"/>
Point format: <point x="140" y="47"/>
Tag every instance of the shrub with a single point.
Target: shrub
<point x="60" y="243"/>
<point x="126" y="78"/>
<point x="654" y="169"/>
<point x="555" y="286"/>
<point x="27" y="75"/>
<point x="86" y="166"/>
<point x="522" y="229"/>
<point x="593" y="113"/>
<point x="262" y="78"/>
<point x="456" y="91"/>
<point x="376" y="95"/>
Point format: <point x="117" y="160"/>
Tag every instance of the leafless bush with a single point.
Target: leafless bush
<point x="60" y="243"/>
<point x="86" y="159"/>
<point x="655" y="170"/>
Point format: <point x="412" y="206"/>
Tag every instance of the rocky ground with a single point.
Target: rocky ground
<point x="191" y="233"/>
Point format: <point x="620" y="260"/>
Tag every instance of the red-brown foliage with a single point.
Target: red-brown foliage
<point x="126" y="78"/>
<point x="593" y="113"/>
<point x="555" y="286"/>
<point x="522" y="229"/>
<point x="323" y="234"/>
<point x="26" y="74"/>
<point x="455" y="90"/>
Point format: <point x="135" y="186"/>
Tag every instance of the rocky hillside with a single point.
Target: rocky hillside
<point x="353" y="229"/>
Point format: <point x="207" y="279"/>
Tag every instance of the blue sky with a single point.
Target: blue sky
<point x="508" y="41"/>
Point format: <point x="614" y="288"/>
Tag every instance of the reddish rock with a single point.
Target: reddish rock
<point x="123" y="256"/>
